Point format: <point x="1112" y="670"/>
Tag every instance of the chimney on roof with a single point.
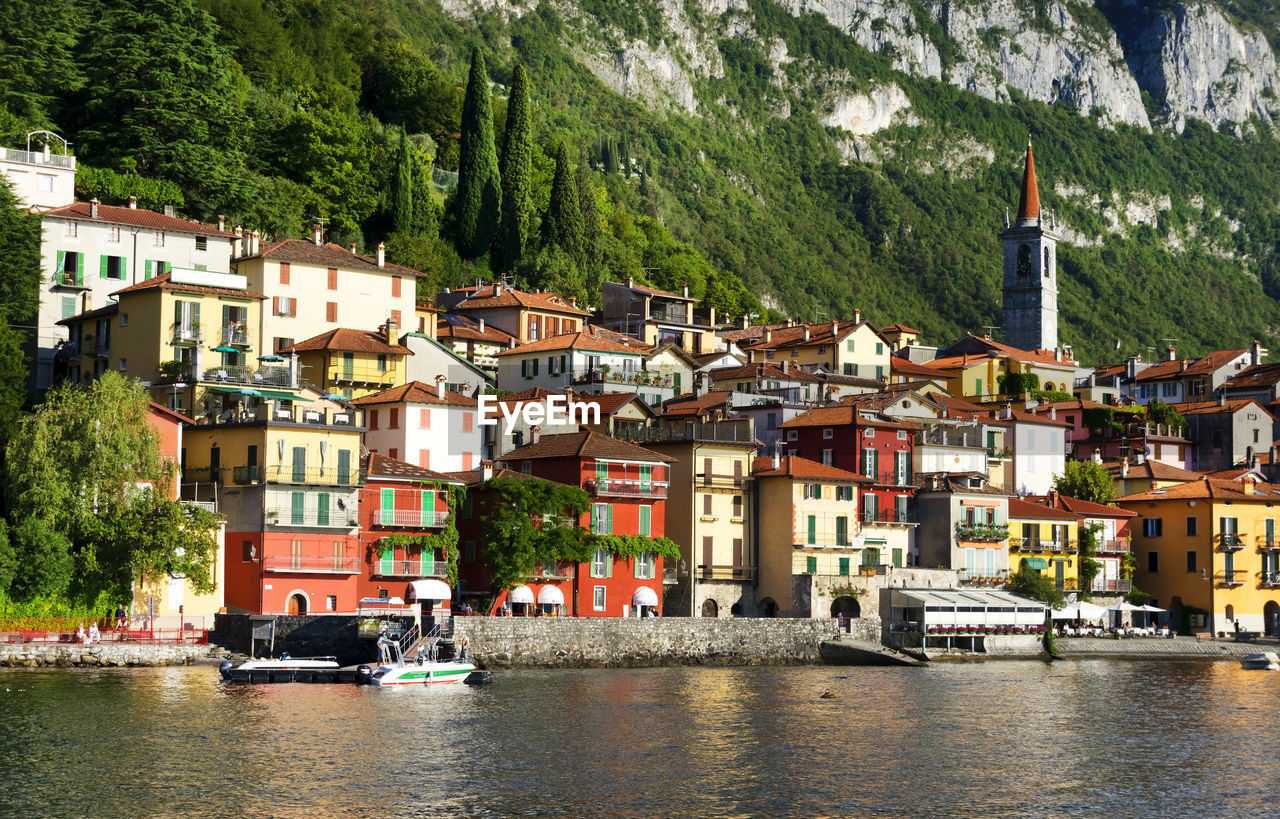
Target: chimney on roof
<point x="497" y="289"/>
<point x="631" y="282"/>
<point x="133" y="203"/>
<point x="573" y="301"/>
<point x="1097" y="455"/>
<point x="1222" y="399"/>
<point x="168" y="210"/>
<point x="746" y="322"/>
<point x="857" y="316"/>
<point x="1140" y="456"/>
<point x="1006" y="412"/>
<point x="1250" y="458"/>
<point x="684" y="290"/>
<point x="1255" y="354"/>
<point x="1131" y="367"/>
<point x="768" y="336"/>
<point x="1053" y="413"/>
<point x="535" y="434"/>
<point x="1124" y="467"/>
<point x="352" y="248"/>
<point x="511" y="343"/>
<point x="705" y="378"/>
<point x="481" y="322"/>
<point x="486" y="469"/>
<point x="1250" y="484"/>
<point x="777" y="459"/>
<point x="1170" y="353"/>
<point x="439" y="386"/>
<point x="222" y="222"/>
<point x="393" y="332"/>
<point x="317" y="234"/>
<point x="382" y="255"/>
<point x="835" y="328"/>
<point x="806" y="334"/>
<point x="93" y="213"/>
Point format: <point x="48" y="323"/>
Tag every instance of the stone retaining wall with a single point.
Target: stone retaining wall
<point x="587" y="642"/>
<point x="66" y="655"/>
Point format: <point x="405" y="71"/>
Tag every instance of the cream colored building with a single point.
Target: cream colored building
<point x="40" y="179"/>
<point x="848" y="348"/>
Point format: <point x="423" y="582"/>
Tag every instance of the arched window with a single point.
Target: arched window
<point x="1024" y="260"/>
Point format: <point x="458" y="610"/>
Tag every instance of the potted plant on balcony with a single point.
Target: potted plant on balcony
<point x="273" y="515"/>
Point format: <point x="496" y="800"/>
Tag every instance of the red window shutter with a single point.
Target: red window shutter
<point x="373" y="419"/>
<point x="395" y="316"/>
<point x="394" y="421"/>
<point x="284" y="272"/>
<point x="333" y="278"/>
<point x="395" y="287"/>
<point x="424" y="458"/>
<point x="275" y="305"/>
<point x="331" y="311"/>
<point x="394" y="453"/>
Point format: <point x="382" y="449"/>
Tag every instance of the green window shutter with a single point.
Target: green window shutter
<point x="195" y="314"/>
<point x="147" y="273"/>
<point x="978" y="387"/>
<point x="897" y="558"/>
<point x="646" y="477"/>
<point x="602" y="472"/>
<point x="811" y="565"/>
<point x="608" y="564"/>
<point x="645" y="520"/>
<point x="609" y="521"/>
<point x="842" y="530"/>
<point x="177" y="311"/>
<point x="124" y="267"/>
<point x="322" y="516"/>
<point x="388" y="502"/>
<point x="299" y="464"/>
<point x="102" y="267"/>
<point x="80" y="269"/>
<point x="813" y="529"/>
<point x="62" y="260"/>
<point x="427" y="561"/>
<point x="344" y="466"/>
<point x="875" y="464"/>
<point x="844" y="566"/>
<point x="428" y="507"/>
<point x="387" y="564"/>
<point x="299" y="509"/>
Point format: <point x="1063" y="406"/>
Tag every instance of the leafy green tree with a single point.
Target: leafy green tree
<point x="164" y="97"/>
<point x="477" y="202"/>
<point x="329" y="151"/>
<point x="20" y="262"/>
<point x="531" y="522"/>
<point x="515" y="167"/>
<point x="44" y="563"/>
<point x="1087" y="481"/>
<point x="1089" y="568"/>
<point x="8" y="559"/>
<point x="402" y="205"/>
<point x="1158" y="412"/>
<point x="590" y="207"/>
<point x="563" y="227"/>
<point x="37" y="51"/>
<point x="1031" y="583"/>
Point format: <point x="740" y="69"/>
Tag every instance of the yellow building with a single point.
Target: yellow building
<point x="975" y="365"/>
<point x="186" y="333"/>
<point x="353" y="363"/>
<point x="811" y="547"/>
<point x="523" y="316"/>
<point x="1146" y="475"/>
<point x="707" y="514"/>
<point x="1046" y="540"/>
<point x="1210" y="545"/>
<point x="852" y="348"/>
<point x="171" y="594"/>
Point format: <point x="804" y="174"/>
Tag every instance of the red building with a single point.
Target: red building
<point x="399" y="498"/>
<point x="1114" y="536"/>
<point x="628" y="487"/>
<point x="865" y="442"/>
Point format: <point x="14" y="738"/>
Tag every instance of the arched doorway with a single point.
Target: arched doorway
<point x="710" y="609"/>
<point x="846" y="605"/>
<point x="297" y="603"/>
<point x="1271" y="618"/>
<point x="768" y="608"/>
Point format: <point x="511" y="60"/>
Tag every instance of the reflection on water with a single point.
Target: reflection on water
<point x="1001" y="738"/>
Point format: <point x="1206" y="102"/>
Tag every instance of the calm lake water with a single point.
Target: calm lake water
<point x="997" y="738"/>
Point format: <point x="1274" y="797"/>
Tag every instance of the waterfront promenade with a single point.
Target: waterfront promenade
<point x="1073" y="648"/>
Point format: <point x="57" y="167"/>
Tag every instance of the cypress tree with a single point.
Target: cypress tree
<point x="477" y="202"/>
<point x="516" y="170"/>
<point x="402" y="205"/>
<point x="564" y="228"/>
<point x="590" y="215"/>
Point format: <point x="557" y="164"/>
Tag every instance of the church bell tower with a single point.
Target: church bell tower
<point x="1030" y="272"/>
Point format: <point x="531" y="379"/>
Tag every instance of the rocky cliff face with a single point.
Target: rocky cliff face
<point x="1193" y="60"/>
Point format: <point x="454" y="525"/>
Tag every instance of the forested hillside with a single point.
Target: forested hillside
<point x="753" y="149"/>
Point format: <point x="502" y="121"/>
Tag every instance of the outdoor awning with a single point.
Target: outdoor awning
<point x="279" y="396"/>
<point x="550" y="596"/>
<point x="237" y="391"/>
<point x="1125" y="606"/>
<point x="644" y="596"/>
<point x="520" y="594"/>
<point x="429" y="589"/>
<point x="1035" y="563"/>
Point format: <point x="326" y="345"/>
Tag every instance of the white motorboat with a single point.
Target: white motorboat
<point x="1261" y="661"/>
<point x="276" y="668"/>
<point x="412" y="662"/>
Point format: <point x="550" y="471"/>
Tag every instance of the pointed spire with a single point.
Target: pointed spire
<point x="1029" y="201"/>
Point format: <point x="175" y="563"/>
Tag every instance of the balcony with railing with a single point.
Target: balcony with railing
<point x="1228" y="542"/>
<point x="203" y="474"/>
<point x="628" y="488"/>
<point x="246" y="475"/>
<point x="298" y="564"/>
<point x="329" y="475"/>
<point x="274" y="414"/>
<point x="719" y="432"/>
<point x="1271" y="579"/>
<point x="724" y="481"/>
<point x="981" y="532"/>
<point x="320" y="518"/>
<point x="99" y="347"/>
<point x="978" y="577"/>
<point x="248" y="376"/>
<point x="1115" y="585"/>
<point x="1232" y="577"/>
<point x="729" y="572"/>
<point x="236" y="335"/>
<point x="951" y="435"/>
<point x="363" y="374"/>
<point x="903" y="517"/>
<point x="38" y="158"/>
<point x="185" y="333"/>
<point x="415" y="567"/>
<point x="1268" y="544"/>
<point x="642" y="378"/>
<point x="1118" y="545"/>
<point x="409" y="518"/>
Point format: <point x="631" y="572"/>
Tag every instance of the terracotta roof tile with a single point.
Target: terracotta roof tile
<point x="163" y="282"/>
<point x="585" y="445"/>
<point x="482" y="298"/>
<point x="899" y="328"/>
<point x="652" y="291"/>
<point x="689" y="404"/>
<point x="1153" y="470"/>
<point x="1193" y="366"/>
<point x="581" y="340"/>
<point x="819" y="333"/>
<point x="1086" y="508"/>
<point x="1256" y="375"/>
<point x="108" y="310"/>
<point x="1207" y="487"/>
<point x="304" y="251"/>
<point x="453" y="326"/>
<point x="793" y="466"/>
<point x="380" y="466"/>
<point x="1213" y="407"/>
<point x="115" y="214"/>
<point x="898" y="364"/>
<point x="415" y="392"/>
<point x="476" y="476"/>
<point x="1019" y="508"/>
<point x="348" y="340"/>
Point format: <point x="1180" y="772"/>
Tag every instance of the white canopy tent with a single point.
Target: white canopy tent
<point x="644" y="596"/>
<point x="520" y="594"/>
<point x="550" y="596"/>
<point x="1080" y="610"/>
<point x="429" y="589"/>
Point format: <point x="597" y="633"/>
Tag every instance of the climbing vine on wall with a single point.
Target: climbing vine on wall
<point x="446" y="540"/>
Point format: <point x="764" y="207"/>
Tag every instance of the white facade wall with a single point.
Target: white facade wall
<point x="430" y="358"/>
<point x="94" y="241"/>
<point x="447" y="439"/>
<point x="1039" y="456"/>
<point x="39" y="181"/>
<point x="362" y="299"/>
<point x="516" y="372"/>
<point x="949" y="459"/>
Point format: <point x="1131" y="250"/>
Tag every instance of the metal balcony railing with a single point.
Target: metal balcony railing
<point x="262" y="377"/>
<point x="236" y="335"/>
<point x="728" y="481"/>
<point x="406" y="568"/>
<point x="245" y="475"/>
<point x="1271" y="578"/>
<point x="889" y="516"/>
<point x="202" y="474"/>
<point x="977" y="577"/>
<point x="726" y="572"/>
<point x="408" y="518"/>
<point x="287" y="473"/>
<point x="629" y="488"/>
<point x="1268" y="544"/>
<point x="185" y="333"/>
<point x="38" y="158"/>
<point x="729" y="431"/>
<point x="1112" y="585"/>
<point x="334" y="518"/>
<point x="981" y="532"/>
<point x="1115" y="545"/>
<point x="1229" y="542"/>
<point x="635" y="377"/>
<point x="345" y="564"/>
<point x="363" y="375"/>
<point x="1232" y="577"/>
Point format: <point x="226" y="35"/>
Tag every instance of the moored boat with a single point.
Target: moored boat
<point x="1261" y="661"/>
<point x="281" y="669"/>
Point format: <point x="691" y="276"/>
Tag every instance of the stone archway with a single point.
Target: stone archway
<point x="710" y="609"/>
<point x="846" y="605"/>
<point x="1271" y="619"/>
<point x="768" y="608"/>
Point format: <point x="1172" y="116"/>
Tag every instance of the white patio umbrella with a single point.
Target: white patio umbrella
<point x="1079" y="610"/>
<point x="1125" y="605"/>
<point x="1089" y="611"/>
<point x="1152" y="608"/>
